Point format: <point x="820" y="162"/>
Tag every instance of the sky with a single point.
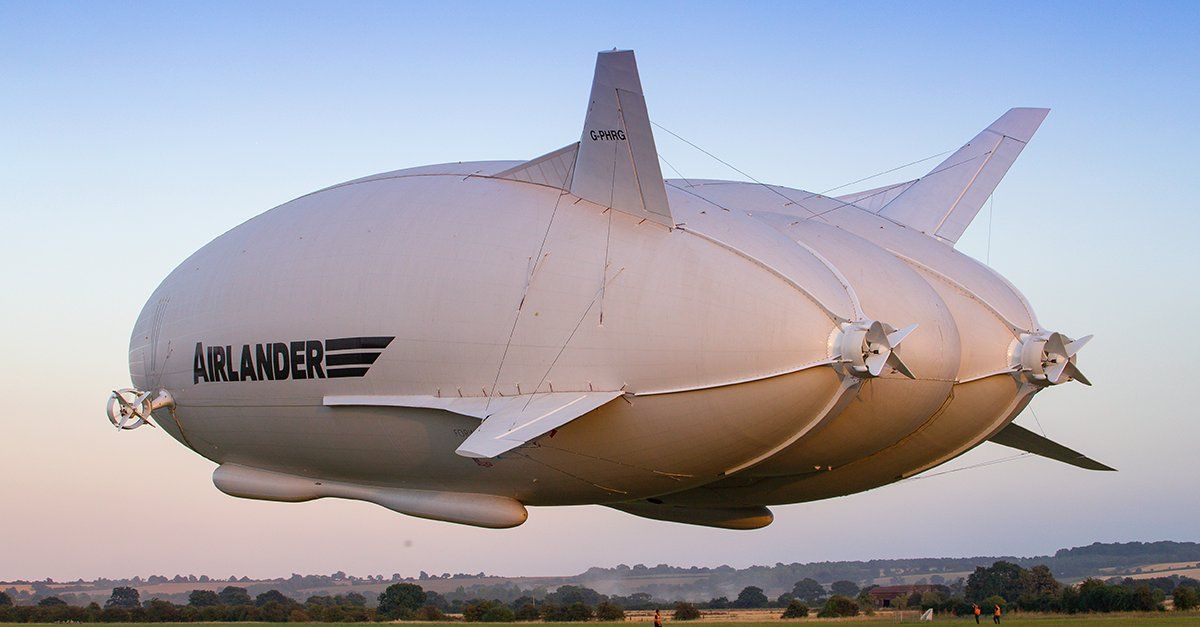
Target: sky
<point x="135" y="132"/>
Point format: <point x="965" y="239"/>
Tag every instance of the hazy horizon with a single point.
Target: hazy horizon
<point x="137" y="132"/>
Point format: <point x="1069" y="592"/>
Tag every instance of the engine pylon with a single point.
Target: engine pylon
<point x="866" y="347"/>
<point x="1049" y="358"/>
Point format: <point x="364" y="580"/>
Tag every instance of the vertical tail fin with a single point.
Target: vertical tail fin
<point x="615" y="163"/>
<point x="618" y="163"/>
<point x="943" y="202"/>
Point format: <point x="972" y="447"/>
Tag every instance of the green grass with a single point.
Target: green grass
<point x="1042" y="620"/>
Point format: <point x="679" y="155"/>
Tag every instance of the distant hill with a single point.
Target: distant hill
<point x="1136" y="559"/>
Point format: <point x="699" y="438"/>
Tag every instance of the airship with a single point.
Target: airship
<point x="460" y="342"/>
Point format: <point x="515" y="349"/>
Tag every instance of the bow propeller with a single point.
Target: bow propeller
<point x="129" y="409"/>
<point x="869" y="346"/>
<point x="1049" y="358"/>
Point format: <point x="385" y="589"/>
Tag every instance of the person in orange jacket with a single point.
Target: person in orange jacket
<point x="978" y="611"/>
<point x="996" y="615"/>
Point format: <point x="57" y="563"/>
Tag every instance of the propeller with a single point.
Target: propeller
<point x="1050" y="358"/>
<point x="129" y="408"/>
<point x="870" y="346"/>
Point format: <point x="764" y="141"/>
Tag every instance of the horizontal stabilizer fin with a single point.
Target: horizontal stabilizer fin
<point x="943" y="202"/>
<point x="553" y="169"/>
<point x="513" y="423"/>
<point x="508" y="421"/>
<point x="875" y="199"/>
<point x="1023" y="439"/>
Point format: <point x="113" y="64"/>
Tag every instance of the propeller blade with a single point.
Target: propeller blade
<point x="1074" y="373"/>
<point x="875" y="333"/>
<point x="120" y="399"/>
<point x="1074" y="347"/>
<point x="876" y="362"/>
<point x="894" y="361"/>
<point x="1055" y="345"/>
<point x="895" y="337"/>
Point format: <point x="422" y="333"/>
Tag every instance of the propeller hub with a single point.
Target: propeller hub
<point x="1049" y="358"/>
<point x="129" y="408"/>
<point x="865" y="348"/>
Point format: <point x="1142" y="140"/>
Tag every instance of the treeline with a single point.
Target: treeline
<point x="1008" y="585"/>
<point x="1065" y="563"/>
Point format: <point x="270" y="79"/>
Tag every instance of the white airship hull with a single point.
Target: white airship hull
<point x="680" y="354"/>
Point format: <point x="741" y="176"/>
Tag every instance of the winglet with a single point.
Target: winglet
<point x="943" y="202"/>
<point x="615" y="163"/>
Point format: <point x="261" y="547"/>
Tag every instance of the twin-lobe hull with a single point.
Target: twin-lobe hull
<point x="452" y="283"/>
<point x="459" y="341"/>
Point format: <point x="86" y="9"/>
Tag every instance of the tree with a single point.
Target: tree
<point x="566" y="595"/>
<point x="576" y="612"/>
<point x="5" y="599"/>
<point x="1184" y="597"/>
<point x="124" y="597"/>
<point x="272" y="596"/>
<point x="751" y="596"/>
<point x="526" y="610"/>
<point x="838" y="606"/>
<point x="608" y="611"/>
<point x="203" y="598"/>
<point x="844" y="588"/>
<point x="686" y="611"/>
<point x="1039" y="581"/>
<point x="808" y="590"/>
<point x="488" y="612"/>
<point x="1002" y="578"/>
<point x="233" y="595"/>
<point x="400" y="600"/>
<point x="51" y="602"/>
<point x="795" y="609"/>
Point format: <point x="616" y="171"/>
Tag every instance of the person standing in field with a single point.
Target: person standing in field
<point x="657" y="618"/>
<point x="975" y="606"/>
<point x="996" y="615"/>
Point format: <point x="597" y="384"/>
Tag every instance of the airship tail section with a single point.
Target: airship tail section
<point x="943" y="203"/>
<point x="615" y="163"/>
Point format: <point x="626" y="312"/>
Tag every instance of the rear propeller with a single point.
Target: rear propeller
<point x="1049" y="358"/>
<point x="868" y="346"/>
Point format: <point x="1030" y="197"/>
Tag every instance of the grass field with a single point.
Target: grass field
<point x="1042" y="620"/>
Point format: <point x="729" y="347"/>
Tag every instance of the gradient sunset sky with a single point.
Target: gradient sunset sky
<point x="135" y="132"/>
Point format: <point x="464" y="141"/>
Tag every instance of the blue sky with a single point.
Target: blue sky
<point x="133" y="133"/>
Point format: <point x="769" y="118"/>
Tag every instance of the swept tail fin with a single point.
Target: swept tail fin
<point x="943" y="202"/>
<point x="615" y="163"/>
<point x="1023" y="439"/>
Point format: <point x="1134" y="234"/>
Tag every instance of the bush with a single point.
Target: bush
<point x="527" y="611"/>
<point x="429" y="613"/>
<point x="487" y="612"/>
<point x="575" y="612"/>
<point x="795" y="609"/>
<point x="607" y="611"/>
<point x="838" y="606"/>
<point x="1186" y="597"/>
<point x="991" y="602"/>
<point x="686" y="611"/>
